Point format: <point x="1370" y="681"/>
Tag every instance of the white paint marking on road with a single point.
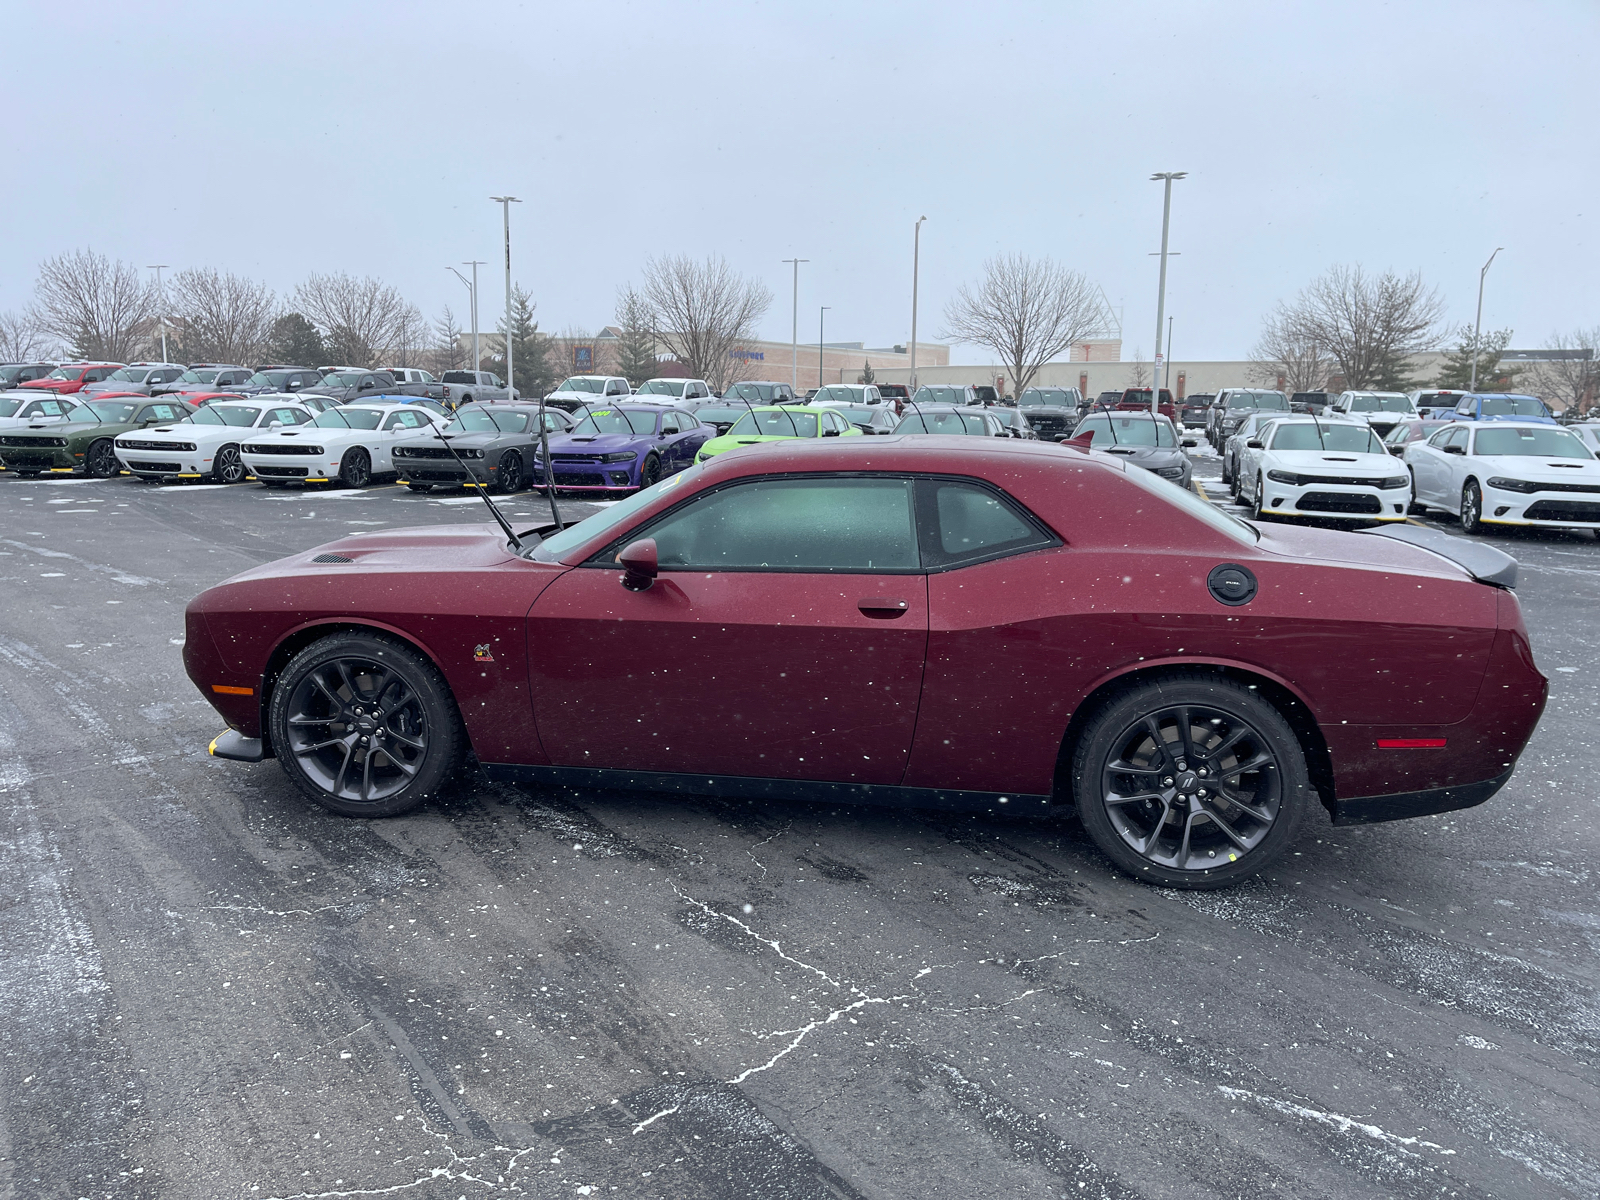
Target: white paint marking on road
<point x="1333" y="1120"/>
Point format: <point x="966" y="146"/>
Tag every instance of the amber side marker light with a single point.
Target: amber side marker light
<point x="1411" y="743"/>
<point x="239" y="691"/>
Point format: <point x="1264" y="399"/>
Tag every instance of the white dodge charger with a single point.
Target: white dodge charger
<point x="351" y="443"/>
<point x="1508" y="473"/>
<point x="1316" y="467"/>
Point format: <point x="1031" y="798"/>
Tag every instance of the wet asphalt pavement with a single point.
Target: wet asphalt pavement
<point x="210" y="988"/>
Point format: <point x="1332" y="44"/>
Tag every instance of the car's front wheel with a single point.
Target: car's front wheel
<point x="508" y="478"/>
<point x="1471" y="508"/>
<point x="650" y="472"/>
<point x="1191" y="781"/>
<point x="364" y="725"/>
<point x="227" y="466"/>
<point x="1259" y="500"/>
<point x="101" y="461"/>
<point x="355" y="469"/>
<point x="1417" y="506"/>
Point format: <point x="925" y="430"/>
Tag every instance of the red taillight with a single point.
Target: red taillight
<point x="1411" y="743"/>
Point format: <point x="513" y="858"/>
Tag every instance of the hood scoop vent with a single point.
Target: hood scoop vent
<point x="332" y="558"/>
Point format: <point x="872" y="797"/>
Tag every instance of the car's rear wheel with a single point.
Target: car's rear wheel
<point x="355" y="469"/>
<point x="227" y="466"/>
<point x="364" y="725"/>
<point x="1471" y="508"/>
<point x="509" y="477"/>
<point x="1259" y="500"/>
<point x="101" y="461"/>
<point x="1191" y="781"/>
<point x="650" y="472"/>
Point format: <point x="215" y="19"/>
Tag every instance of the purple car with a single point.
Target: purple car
<point x="625" y="446"/>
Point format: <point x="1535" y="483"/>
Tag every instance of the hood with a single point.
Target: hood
<point x="432" y="548"/>
<point x="717" y="445"/>
<point x="51" y="385"/>
<point x="1542" y="470"/>
<point x="95" y="389"/>
<point x="601" y="444"/>
<point x="63" y="428"/>
<point x="1143" y="454"/>
<point x="1334" y="462"/>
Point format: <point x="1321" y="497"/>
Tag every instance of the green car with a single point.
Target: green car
<point x="84" y="445"/>
<point x="779" y="423"/>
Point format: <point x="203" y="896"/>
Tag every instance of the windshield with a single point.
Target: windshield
<point x="226" y="414"/>
<point x="720" y="416"/>
<point x="1380" y="403"/>
<point x="775" y="422"/>
<point x="110" y="411"/>
<point x="128" y="375"/>
<point x="1054" y="397"/>
<point x="606" y="520"/>
<point x="662" y="387"/>
<point x="1513" y="406"/>
<point x="1272" y="401"/>
<point x="1533" y="443"/>
<point x="1307" y="435"/>
<point x="349" y="418"/>
<point x="197" y="377"/>
<point x="349" y="379"/>
<point x="941" y="422"/>
<point x="65" y="373"/>
<point x="614" y="420"/>
<point x="1126" y="431"/>
<point x="1202" y="510"/>
<point x="940" y="395"/>
<point x="583" y="383"/>
<point x="757" y="393"/>
<point x="481" y="420"/>
<point x="277" y="380"/>
<point x="8" y="408"/>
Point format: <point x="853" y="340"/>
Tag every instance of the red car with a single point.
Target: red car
<point x="70" y="378"/>
<point x="948" y="622"/>
<point x="1139" y="398"/>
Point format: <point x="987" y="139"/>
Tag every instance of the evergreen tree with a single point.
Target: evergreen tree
<point x="636" y="347"/>
<point x="296" y="341"/>
<point x="868" y="375"/>
<point x="529" y="348"/>
<point x="1456" y="372"/>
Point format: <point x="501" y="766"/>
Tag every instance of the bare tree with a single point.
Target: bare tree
<point x="101" y="308"/>
<point x="1570" y="378"/>
<point x="1139" y="372"/>
<point x="1368" y="326"/>
<point x="703" y="312"/>
<point x="221" y="318"/>
<point x="359" y="318"/>
<point x="448" y="353"/>
<point x="410" y="339"/>
<point x="636" y="347"/>
<point x="1027" y="311"/>
<point x="1283" y="351"/>
<point x="22" y="339"/>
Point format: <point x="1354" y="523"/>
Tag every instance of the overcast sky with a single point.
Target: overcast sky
<point x="347" y="135"/>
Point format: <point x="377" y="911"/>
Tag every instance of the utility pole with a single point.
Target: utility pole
<point x="161" y="299"/>
<point x="1477" y="325"/>
<point x="472" y="294"/>
<point x="505" y="203"/>
<point x="916" y="255"/>
<point x="821" y="318"/>
<point x="794" y="332"/>
<point x="1161" y="293"/>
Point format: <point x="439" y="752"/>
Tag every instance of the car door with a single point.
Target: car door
<point x="1451" y="469"/>
<point x="789" y="619"/>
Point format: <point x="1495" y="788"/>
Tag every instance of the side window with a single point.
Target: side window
<point x="669" y="424"/>
<point x="962" y="523"/>
<point x="812" y="525"/>
<point x="404" y="419"/>
<point x="287" y="416"/>
<point x="1458" y="437"/>
<point x="1440" y="438"/>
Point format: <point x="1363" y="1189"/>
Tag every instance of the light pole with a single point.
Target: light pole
<point x="916" y="255"/>
<point x="505" y="203"/>
<point x="161" y="299"/>
<point x="1161" y="293"/>
<point x="794" y="332"/>
<point x="1477" y="325"/>
<point x="821" y="318"/>
<point x="472" y="293"/>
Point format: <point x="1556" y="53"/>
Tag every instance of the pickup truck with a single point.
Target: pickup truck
<point x="346" y="386"/>
<point x="463" y="387"/>
<point x="1382" y="410"/>
<point x="581" y="391"/>
<point x="408" y="377"/>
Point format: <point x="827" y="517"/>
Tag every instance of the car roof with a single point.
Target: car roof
<point x="1520" y="423"/>
<point x="1501" y="396"/>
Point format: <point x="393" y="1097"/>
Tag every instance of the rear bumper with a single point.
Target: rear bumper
<point x="1370" y="810"/>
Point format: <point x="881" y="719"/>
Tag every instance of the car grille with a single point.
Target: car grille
<point x="291" y="448"/>
<point x="32" y="443"/>
<point x="282" y="472"/>
<point x="422" y="452"/>
<point x="583" y="458"/>
<point x="1338" y="502"/>
<point x="427" y="476"/>
<point x="1371" y="481"/>
<point x="582" y="479"/>
<point x="169" y="447"/>
<point x="27" y="461"/>
<point x="1567" y="487"/>
<point x="1562" y="510"/>
<point x="160" y="467"/>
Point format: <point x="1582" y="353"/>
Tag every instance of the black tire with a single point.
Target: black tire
<point x="650" y="471"/>
<point x="1417" y="507"/>
<point x="419" y="487"/>
<point x="101" y="461"/>
<point x="1472" y="508"/>
<point x="227" y="466"/>
<point x="1129" y="787"/>
<point x="509" y="477"/>
<point x="355" y="469"/>
<point x="1258" y="501"/>
<point x="364" y="725"/>
<point x="1227" y="475"/>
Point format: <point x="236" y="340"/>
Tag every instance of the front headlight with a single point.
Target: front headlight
<point x="1395" y="482"/>
<point x="1170" y="472"/>
<point x="1288" y="477"/>
<point x="1514" y="485"/>
<point x="620" y="456"/>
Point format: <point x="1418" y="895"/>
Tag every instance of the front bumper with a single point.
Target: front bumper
<point x="41" y="458"/>
<point x="589" y="476"/>
<point x="1339" y="501"/>
<point x="155" y="461"/>
<point x="291" y="468"/>
<point x="1544" y="510"/>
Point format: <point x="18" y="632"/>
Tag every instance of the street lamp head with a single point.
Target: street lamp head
<point x="1170" y="175"/>
<point x="505" y="200"/>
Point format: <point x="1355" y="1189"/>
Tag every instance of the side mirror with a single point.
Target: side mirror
<point x="1253" y="443"/>
<point x="830" y="433"/>
<point x="276" y="425"/>
<point x="639" y="565"/>
<point x="1187" y="442"/>
<point x="1455" y="450"/>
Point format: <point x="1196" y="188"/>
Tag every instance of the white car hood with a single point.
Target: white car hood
<point x="1537" y="470"/>
<point x="1332" y="462"/>
<point x="307" y="435"/>
<point x="200" y="435"/>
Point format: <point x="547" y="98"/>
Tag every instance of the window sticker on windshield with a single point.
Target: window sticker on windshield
<point x="602" y="412"/>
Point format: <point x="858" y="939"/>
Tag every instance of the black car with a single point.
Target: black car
<point x="1017" y="423"/>
<point x="496" y="444"/>
<point x="951" y="418"/>
<point x="986" y="395"/>
<point x="1052" y="412"/>
<point x="15" y="374"/>
<point x="271" y="380"/>
<point x="345" y="386"/>
<point x="1311" y="403"/>
<point x="1194" y="409"/>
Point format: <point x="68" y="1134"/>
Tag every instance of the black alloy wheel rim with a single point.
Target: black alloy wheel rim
<point x="1469" y="507"/>
<point x="102" y="460"/>
<point x="355" y="472"/>
<point x="510" y="471"/>
<point x="649" y="473"/>
<point x="229" y="466"/>
<point x="1191" y="787"/>
<point x="357" y="729"/>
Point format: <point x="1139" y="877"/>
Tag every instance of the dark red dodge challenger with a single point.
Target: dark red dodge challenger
<point x="920" y="621"/>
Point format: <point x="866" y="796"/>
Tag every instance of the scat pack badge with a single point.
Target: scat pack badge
<point x="483" y="654"/>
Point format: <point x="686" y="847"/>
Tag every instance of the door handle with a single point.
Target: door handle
<point x="882" y="609"/>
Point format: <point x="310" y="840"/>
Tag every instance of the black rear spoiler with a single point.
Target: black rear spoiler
<point x="1483" y="563"/>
